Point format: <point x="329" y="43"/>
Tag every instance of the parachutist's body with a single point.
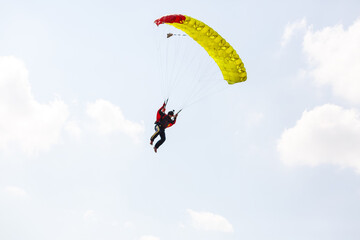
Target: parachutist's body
<point x="163" y="121"/>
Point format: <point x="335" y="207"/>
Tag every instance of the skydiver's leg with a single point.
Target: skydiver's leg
<point x="157" y="132"/>
<point x="162" y="138"/>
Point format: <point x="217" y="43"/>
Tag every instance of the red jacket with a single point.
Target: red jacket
<point x="164" y="120"/>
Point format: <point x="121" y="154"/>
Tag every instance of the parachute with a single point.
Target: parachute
<point x="190" y="55"/>
<point x="229" y="62"/>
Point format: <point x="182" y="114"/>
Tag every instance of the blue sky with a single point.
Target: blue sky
<point x="275" y="157"/>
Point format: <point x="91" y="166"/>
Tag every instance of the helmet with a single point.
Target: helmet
<point x="171" y="113"/>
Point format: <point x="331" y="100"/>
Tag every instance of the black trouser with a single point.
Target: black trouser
<point x="159" y="131"/>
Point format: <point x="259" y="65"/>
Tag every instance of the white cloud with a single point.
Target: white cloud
<point x="334" y="57"/>
<point x="148" y="237"/>
<point x="90" y="216"/>
<point x="291" y="29"/>
<point x="24" y="122"/>
<point x="182" y="225"/>
<point x="328" y="134"/>
<point x="129" y="225"/>
<point x="16" y="191"/>
<point x="208" y="221"/>
<point x="73" y="129"/>
<point x="110" y="119"/>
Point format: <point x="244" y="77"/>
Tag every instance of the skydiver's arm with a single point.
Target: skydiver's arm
<point x="160" y="113"/>
<point x="162" y="107"/>
<point x="160" y="110"/>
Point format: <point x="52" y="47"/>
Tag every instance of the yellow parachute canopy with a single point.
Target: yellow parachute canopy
<point x="224" y="55"/>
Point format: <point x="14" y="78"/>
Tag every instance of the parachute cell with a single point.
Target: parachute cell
<point x="229" y="62"/>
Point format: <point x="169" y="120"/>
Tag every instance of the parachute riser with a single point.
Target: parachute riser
<point x="168" y="35"/>
<point x="166" y="102"/>
<point x="178" y="111"/>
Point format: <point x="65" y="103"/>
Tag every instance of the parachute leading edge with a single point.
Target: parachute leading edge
<point x="224" y="55"/>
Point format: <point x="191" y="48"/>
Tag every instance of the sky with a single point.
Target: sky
<point x="274" y="157"/>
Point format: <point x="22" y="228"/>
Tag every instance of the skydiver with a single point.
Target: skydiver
<point x="163" y="121"/>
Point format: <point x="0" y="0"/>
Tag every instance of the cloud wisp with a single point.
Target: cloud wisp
<point x="110" y="119"/>
<point x="26" y="123"/>
<point x="328" y="134"/>
<point x="291" y="29"/>
<point x="333" y="55"/>
<point x="16" y="191"/>
<point x="208" y="221"/>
